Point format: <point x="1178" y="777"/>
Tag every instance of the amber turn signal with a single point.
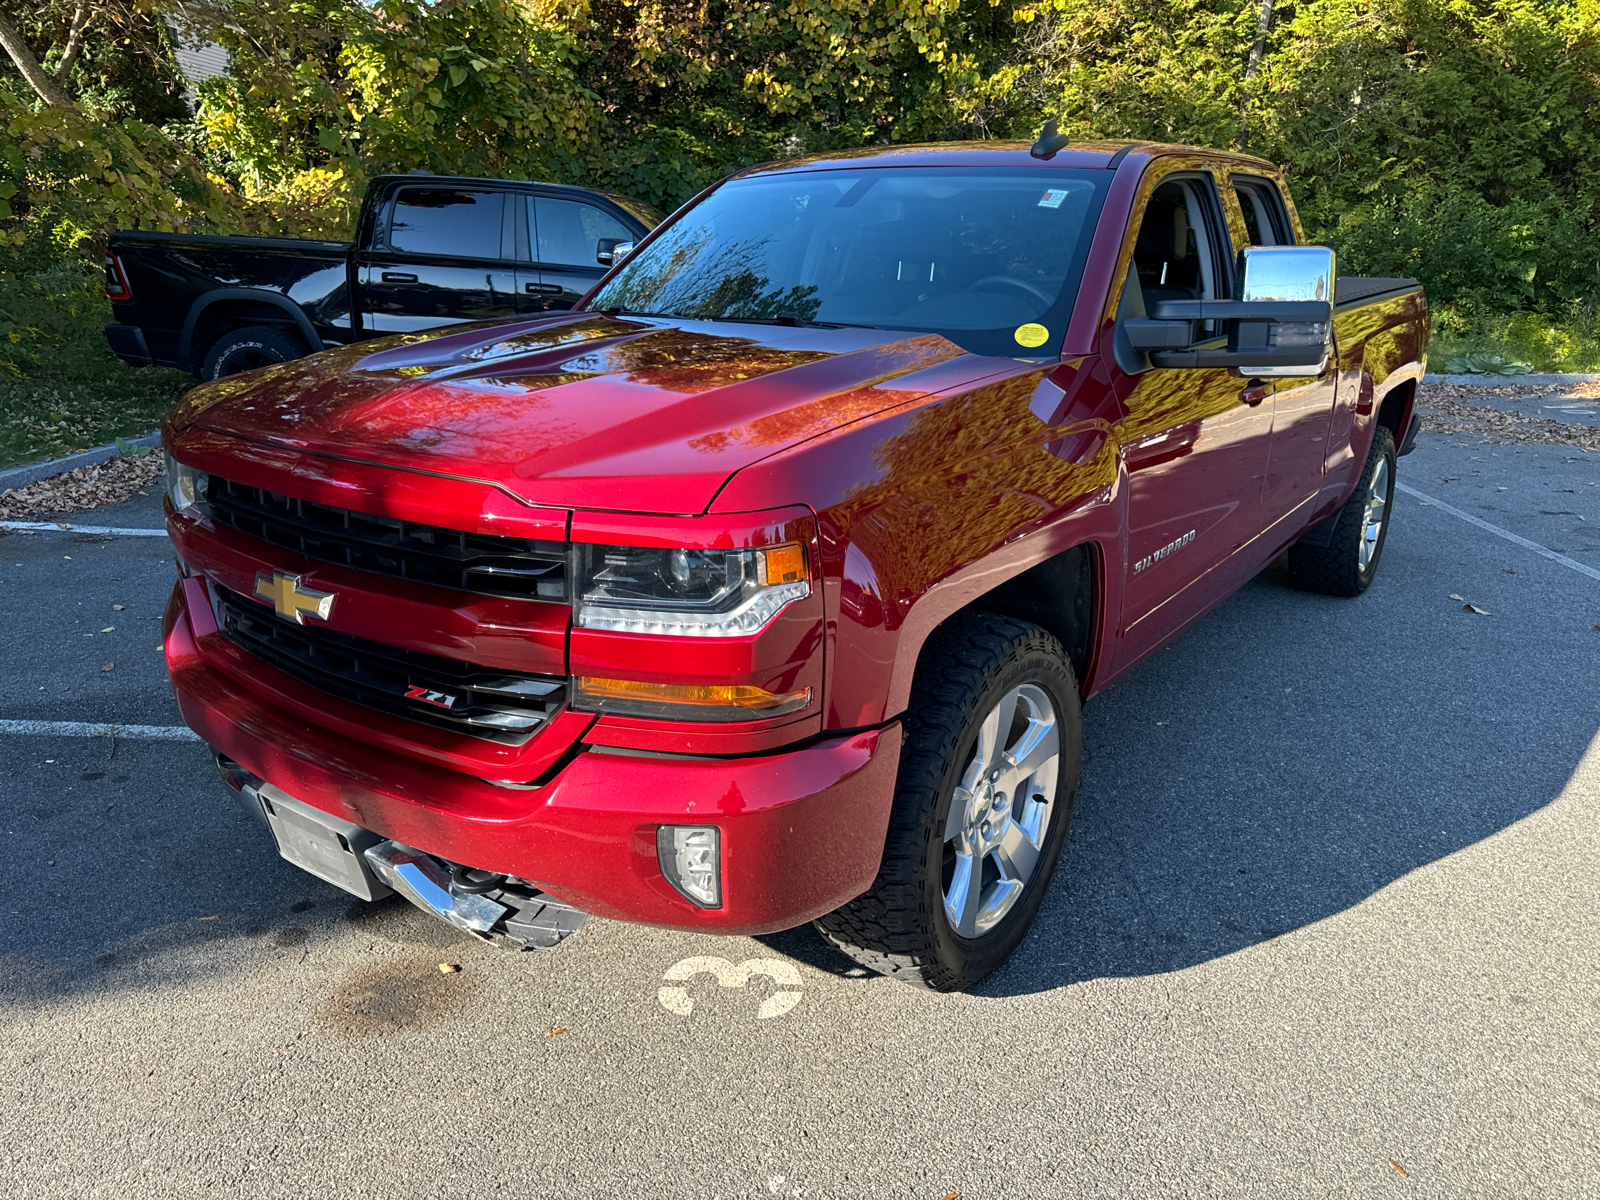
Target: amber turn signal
<point x="781" y="564"/>
<point x="687" y="701"/>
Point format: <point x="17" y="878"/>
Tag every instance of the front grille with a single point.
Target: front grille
<point x="473" y="562"/>
<point x="500" y="706"/>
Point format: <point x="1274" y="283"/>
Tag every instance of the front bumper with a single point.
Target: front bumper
<point x="802" y="831"/>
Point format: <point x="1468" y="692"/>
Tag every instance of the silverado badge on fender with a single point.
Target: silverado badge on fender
<point x="290" y="600"/>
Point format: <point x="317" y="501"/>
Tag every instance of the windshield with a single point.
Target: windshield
<point x="989" y="258"/>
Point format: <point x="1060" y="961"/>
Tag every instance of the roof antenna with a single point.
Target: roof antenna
<point x="1049" y="141"/>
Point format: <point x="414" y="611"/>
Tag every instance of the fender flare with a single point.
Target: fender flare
<point x="260" y="295"/>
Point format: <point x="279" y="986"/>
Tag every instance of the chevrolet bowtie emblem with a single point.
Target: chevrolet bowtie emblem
<point x="291" y="600"/>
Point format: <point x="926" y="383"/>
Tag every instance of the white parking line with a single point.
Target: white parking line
<point x="158" y="733"/>
<point x="67" y="527"/>
<point x="1542" y="551"/>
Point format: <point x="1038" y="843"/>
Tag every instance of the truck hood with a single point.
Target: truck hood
<point x="584" y="410"/>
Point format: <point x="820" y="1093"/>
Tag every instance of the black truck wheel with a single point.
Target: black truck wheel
<point x="1347" y="564"/>
<point x="988" y="774"/>
<point x="251" y="347"/>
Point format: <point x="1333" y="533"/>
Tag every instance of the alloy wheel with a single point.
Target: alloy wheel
<point x="1375" y="514"/>
<point x="1000" y="812"/>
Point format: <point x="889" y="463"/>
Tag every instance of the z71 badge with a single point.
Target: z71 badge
<point x="437" y="699"/>
<point x="1150" y="560"/>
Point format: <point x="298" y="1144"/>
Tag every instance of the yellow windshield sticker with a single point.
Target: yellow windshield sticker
<point x="1031" y="335"/>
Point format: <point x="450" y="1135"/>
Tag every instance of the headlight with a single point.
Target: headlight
<point x="691" y="593"/>
<point x="185" y="485"/>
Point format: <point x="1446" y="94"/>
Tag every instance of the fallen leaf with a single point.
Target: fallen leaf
<point x="108" y="629"/>
<point x="1509" y="571"/>
<point x="1453" y="596"/>
<point x="1473" y="608"/>
<point x="117" y="607"/>
<point x="1597" y="628"/>
<point x="556" y="1030"/>
<point x="449" y="968"/>
<point x="951" y="1196"/>
<point x="108" y="666"/>
<point x="208" y="918"/>
<point x="1399" y="1168"/>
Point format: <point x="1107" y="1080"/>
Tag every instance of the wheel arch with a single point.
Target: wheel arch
<point x="1035" y="594"/>
<point x="1394" y="411"/>
<point x="216" y="312"/>
<point x="1060" y="595"/>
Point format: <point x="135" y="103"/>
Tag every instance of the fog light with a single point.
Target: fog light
<point x="691" y="860"/>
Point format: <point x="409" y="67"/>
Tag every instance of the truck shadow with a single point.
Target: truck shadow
<point x="1290" y="757"/>
<point x="1279" y="764"/>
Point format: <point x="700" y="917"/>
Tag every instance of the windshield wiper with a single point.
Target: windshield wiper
<point x="787" y="319"/>
<point x="627" y="312"/>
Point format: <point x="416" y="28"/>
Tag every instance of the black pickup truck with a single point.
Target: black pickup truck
<point x="430" y="250"/>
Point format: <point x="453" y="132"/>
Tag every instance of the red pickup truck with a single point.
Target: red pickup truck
<point x="765" y="586"/>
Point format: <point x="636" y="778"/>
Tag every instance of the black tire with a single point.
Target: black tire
<point x="1339" y="569"/>
<point x="246" y="349"/>
<point x="900" y="928"/>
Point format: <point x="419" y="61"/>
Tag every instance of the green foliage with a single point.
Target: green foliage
<point x="1454" y="140"/>
<point x="1513" y="343"/>
<point x="48" y="317"/>
<point x="61" y="388"/>
<point x="125" y="68"/>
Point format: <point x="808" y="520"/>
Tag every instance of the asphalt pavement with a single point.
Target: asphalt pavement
<point x="1326" y="925"/>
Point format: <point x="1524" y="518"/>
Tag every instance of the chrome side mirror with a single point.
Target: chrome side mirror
<point x="610" y="251"/>
<point x="1287" y="273"/>
<point x="1281" y="324"/>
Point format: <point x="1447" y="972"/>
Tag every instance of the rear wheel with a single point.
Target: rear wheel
<point x="246" y="349"/>
<point x="1347" y="565"/>
<point x="987" y="778"/>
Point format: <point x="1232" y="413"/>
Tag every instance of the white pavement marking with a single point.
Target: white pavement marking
<point x="158" y="733"/>
<point x="68" y="527"/>
<point x="1542" y="551"/>
<point x="675" y="998"/>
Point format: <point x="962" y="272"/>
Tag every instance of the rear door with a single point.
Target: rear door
<point x="441" y="254"/>
<point x="566" y="236"/>
<point x="1301" y="405"/>
<point x="1196" y="439"/>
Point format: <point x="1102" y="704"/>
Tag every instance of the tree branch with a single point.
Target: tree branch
<point x="38" y="78"/>
<point x="69" y="55"/>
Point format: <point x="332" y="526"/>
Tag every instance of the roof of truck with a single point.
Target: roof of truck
<point x="1089" y="154"/>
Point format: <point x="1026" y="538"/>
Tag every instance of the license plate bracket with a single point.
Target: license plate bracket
<point x="324" y="845"/>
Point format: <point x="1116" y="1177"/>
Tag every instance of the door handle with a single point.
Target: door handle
<point x="398" y="277"/>
<point x="1253" y="395"/>
<point x="542" y="289"/>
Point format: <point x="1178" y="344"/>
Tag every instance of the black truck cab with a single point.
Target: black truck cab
<point x="430" y="250"/>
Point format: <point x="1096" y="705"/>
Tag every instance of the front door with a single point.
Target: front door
<point x="445" y="255"/>
<point x="566" y="244"/>
<point x="1302" y="406"/>
<point x="1196" y="440"/>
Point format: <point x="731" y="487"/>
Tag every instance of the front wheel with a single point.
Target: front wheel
<point x="982" y="804"/>
<point x="1347" y="565"/>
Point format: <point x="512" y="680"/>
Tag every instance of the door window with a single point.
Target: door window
<point x="1265" y="217"/>
<point x="447" y="221"/>
<point x="568" y="232"/>
<point x="1182" y="252"/>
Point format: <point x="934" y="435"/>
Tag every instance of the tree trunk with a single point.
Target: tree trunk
<point x="69" y="55"/>
<point x="51" y="92"/>
<point x="1253" y="63"/>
